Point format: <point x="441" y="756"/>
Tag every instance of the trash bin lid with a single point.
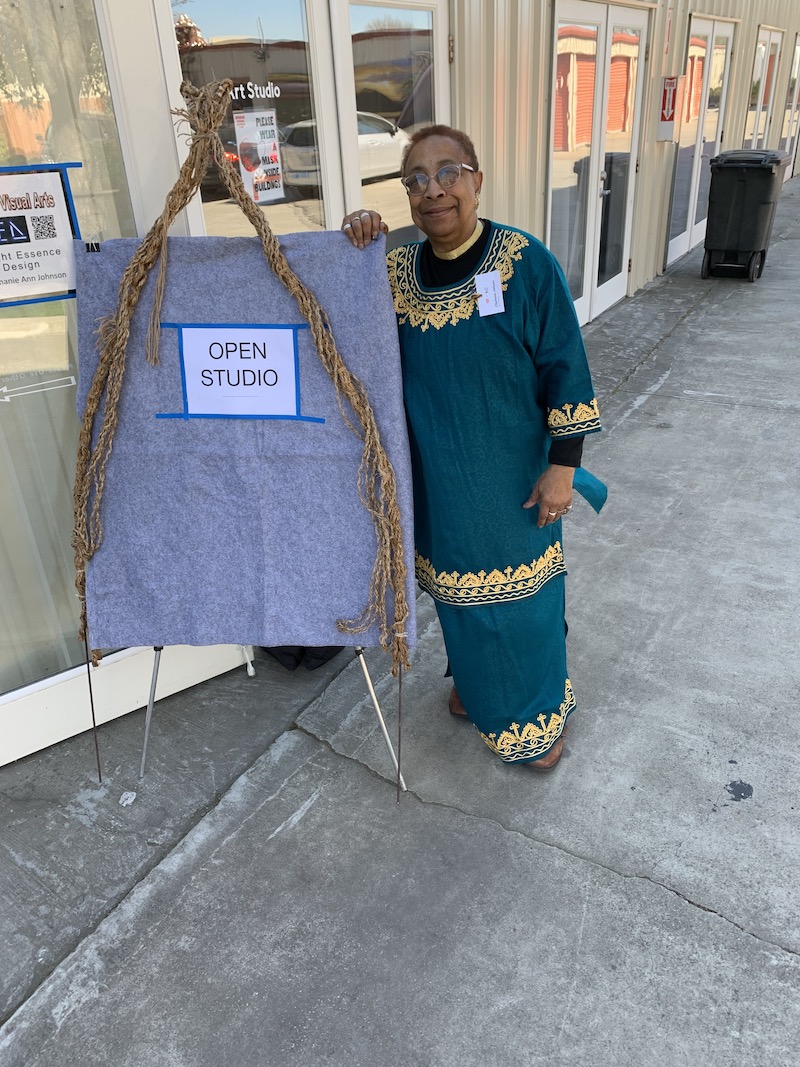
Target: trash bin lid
<point x="751" y="157"/>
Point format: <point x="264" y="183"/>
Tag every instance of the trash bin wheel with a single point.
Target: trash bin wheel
<point x="763" y="261"/>
<point x="754" y="266"/>
<point x="705" y="269"/>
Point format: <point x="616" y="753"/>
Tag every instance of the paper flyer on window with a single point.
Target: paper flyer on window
<point x="259" y="154"/>
<point x="36" y="233"/>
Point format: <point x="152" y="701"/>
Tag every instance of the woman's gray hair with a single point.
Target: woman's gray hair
<point x="438" y="130"/>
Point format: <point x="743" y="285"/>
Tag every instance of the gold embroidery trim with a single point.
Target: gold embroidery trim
<point x="447" y="307"/>
<point x="535" y="738"/>
<point x="494" y="586"/>
<point x="573" y="419"/>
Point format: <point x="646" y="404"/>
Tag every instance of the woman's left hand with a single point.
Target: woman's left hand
<point x="553" y="494"/>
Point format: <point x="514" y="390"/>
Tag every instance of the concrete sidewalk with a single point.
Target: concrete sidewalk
<point x="263" y="901"/>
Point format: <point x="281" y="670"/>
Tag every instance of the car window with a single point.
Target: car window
<point x="373" y="124"/>
<point x="302" y="136"/>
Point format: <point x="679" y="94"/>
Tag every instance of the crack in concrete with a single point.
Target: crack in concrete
<point x="658" y="344"/>
<point x="794" y="953"/>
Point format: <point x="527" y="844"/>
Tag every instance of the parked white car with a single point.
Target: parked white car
<point x="380" y="149"/>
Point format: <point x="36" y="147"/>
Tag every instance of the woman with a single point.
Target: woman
<point x="499" y="398"/>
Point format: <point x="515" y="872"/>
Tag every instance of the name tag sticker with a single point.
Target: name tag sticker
<point x="490" y="293"/>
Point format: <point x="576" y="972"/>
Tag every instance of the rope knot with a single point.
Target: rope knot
<point x="207" y="106"/>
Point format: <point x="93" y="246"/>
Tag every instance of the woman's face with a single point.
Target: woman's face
<point x="447" y="216"/>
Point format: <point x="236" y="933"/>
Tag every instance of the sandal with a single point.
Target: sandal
<point x="455" y="707"/>
<point x="550" y="761"/>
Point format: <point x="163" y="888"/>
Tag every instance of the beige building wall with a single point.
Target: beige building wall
<point x="501" y="97"/>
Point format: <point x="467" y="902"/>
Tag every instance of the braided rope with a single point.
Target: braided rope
<point x="377" y="486"/>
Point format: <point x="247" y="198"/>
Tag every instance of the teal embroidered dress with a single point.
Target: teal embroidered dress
<point x="485" y="397"/>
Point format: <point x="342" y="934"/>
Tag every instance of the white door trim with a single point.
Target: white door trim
<point x="54" y="709"/>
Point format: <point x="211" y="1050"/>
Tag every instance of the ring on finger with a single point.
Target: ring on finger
<point x="552" y="513"/>
<point x="365" y="215"/>
<point x="347" y="226"/>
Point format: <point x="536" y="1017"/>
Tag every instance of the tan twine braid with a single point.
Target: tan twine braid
<point x="377" y="485"/>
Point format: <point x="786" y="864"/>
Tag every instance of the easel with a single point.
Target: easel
<point x="359" y="652"/>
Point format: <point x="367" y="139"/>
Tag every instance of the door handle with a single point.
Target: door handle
<point x="605" y="192"/>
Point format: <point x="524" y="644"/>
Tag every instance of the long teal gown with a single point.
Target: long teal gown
<point x="485" y="397"/>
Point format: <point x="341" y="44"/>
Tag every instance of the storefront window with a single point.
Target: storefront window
<point x="55" y="107"/>
<point x="270" y="131"/>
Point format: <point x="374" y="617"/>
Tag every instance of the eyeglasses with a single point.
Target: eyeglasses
<point x="445" y="178"/>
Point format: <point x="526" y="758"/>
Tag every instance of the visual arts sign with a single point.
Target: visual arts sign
<point x="37" y="228"/>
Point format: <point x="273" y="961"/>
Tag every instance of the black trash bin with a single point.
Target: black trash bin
<point x="745" y="189"/>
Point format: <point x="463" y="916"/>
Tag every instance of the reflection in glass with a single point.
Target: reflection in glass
<point x="711" y="125"/>
<point x="623" y="73"/>
<point x="576" y="67"/>
<point x="791" y="116"/>
<point x="687" y="145"/>
<point x="393" y="70"/>
<point x="270" y="131"/>
<point x="55" y="106"/>
<point x="755" y="93"/>
<point x="769" y="91"/>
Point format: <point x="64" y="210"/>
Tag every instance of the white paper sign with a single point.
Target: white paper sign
<point x="240" y="371"/>
<point x="259" y="154"/>
<point x="490" y="293"/>
<point x="36" y="254"/>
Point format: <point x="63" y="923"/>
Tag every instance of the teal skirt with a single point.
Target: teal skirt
<point x="509" y="665"/>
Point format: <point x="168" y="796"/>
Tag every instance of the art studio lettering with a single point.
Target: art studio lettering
<point x="251" y="91"/>
<point x="240" y="371"/>
<point x="246" y="376"/>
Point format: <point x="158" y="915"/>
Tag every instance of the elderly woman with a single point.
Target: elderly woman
<point x="499" y="398"/>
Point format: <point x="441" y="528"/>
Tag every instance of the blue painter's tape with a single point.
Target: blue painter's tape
<point x="39" y="300"/>
<point x="268" y="418"/>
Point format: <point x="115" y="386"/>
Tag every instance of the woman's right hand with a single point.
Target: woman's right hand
<point x="363" y="226"/>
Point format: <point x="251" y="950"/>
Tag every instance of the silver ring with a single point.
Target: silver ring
<point x="365" y="215"/>
<point x="568" y="507"/>
<point x="552" y="513"/>
<point x="347" y="226"/>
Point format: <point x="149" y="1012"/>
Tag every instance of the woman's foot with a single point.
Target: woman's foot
<point x="548" y="762"/>
<point x="455" y="706"/>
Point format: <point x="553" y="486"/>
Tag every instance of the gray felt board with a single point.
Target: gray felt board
<point x="231" y="530"/>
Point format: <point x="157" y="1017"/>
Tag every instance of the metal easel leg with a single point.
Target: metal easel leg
<point x="245" y="650"/>
<point x="360" y="654"/>
<point x="148" y="718"/>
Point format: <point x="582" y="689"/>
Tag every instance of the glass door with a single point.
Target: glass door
<point x="396" y="81"/>
<point x="762" y="93"/>
<point x="706" y="88"/>
<point x="271" y="132"/>
<point x="599" y="74"/>
<point x="791" y="114"/>
<point x="55" y="108"/>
